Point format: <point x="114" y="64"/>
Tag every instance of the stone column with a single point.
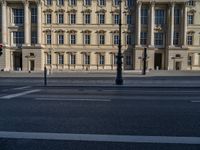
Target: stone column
<point x="139" y="22"/>
<point x="152" y="24"/>
<point x="4" y="22"/>
<point x="184" y="25"/>
<point x="39" y="23"/>
<point x="26" y="23"/>
<point x="172" y="25"/>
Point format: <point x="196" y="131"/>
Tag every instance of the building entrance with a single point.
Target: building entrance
<point x="158" y="61"/>
<point x="17" y="61"/>
<point x="178" y="65"/>
<point x="32" y="65"/>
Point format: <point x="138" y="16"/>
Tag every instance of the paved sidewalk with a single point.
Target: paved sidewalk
<point x="131" y="79"/>
<point x="127" y="73"/>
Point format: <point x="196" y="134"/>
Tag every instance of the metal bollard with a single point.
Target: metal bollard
<point x="45" y="76"/>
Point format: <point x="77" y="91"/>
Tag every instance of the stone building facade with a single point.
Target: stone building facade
<point x="84" y="34"/>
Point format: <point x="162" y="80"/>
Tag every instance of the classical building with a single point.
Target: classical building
<point x="84" y="34"/>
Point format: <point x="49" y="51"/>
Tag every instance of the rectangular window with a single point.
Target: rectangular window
<point x="129" y="19"/>
<point x="129" y="39"/>
<point x="61" y="59"/>
<point x="48" y="18"/>
<point x="18" y="16"/>
<point x="144" y="16"/>
<point x="101" y="18"/>
<point x="129" y="3"/>
<point x="48" y="38"/>
<point x="176" y="38"/>
<point x="116" y="2"/>
<point x="116" y="39"/>
<point x="190" y="19"/>
<point x="72" y="59"/>
<point x="143" y="39"/>
<point x="159" y="39"/>
<point x="101" y="2"/>
<point x="34" y="37"/>
<point x="34" y="15"/>
<point x="190" y="40"/>
<point x="101" y="59"/>
<point x="73" y="39"/>
<point x="72" y="2"/>
<point x="116" y="19"/>
<point x="101" y="39"/>
<point x="87" y="39"/>
<point x="48" y="59"/>
<point x="60" y="18"/>
<point x="159" y="17"/>
<point x="60" y="39"/>
<point x="128" y="60"/>
<point x="177" y="16"/>
<point x="49" y="2"/>
<point x="60" y="2"/>
<point x="86" y="59"/>
<point x="87" y="2"/>
<point x="18" y="38"/>
<point x="87" y="18"/>
<point x="72" y="18"/>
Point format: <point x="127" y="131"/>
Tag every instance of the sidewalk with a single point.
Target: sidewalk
<point x="127" y="73"/>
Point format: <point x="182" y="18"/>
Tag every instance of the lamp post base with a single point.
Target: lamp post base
<point x="119" y="81"/>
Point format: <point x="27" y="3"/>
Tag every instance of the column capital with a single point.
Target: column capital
<point x="152" y="3"/>
<point x="172" y="4"/>
<point x="139" y="3"/>
<point x="3" y="2"/>
<point x="39" y="2"/>
<point x="26" y="2"/>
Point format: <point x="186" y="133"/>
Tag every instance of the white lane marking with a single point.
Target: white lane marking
<point x="21" y="88"/>
<point x="71" y="99"/>
<point x="18" y="88"/>
<point x="19" y="94"/>
<point x="195" y="101"/>
<point x="100" y="137"/>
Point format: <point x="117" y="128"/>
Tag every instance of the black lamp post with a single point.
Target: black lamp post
<point x="119" y="80"/>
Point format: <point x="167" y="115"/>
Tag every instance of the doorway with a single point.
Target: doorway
<point x="158" y="61"/>
<point x="32" y="65"/>
<point x="178" y="65"/>
<point x="17" y="61"/>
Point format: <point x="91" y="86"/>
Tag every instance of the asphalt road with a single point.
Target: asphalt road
<point x="77" y="118"/>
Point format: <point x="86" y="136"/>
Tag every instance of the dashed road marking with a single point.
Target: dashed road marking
<point x="101" y="137"/>
<point x="19" y="94"/>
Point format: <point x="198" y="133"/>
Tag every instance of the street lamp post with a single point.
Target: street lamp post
<point x="119" y="80"/>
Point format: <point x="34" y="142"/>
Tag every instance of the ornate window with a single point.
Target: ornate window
<point x="60" y="59"/>
<point x="60" y="2"/>
<point x="177" y="14"/>
<point x="190" y="19"/>
<point x="101" y="2"/>
<point x="34" y="37"/>
<point x="18" y="16"/>
<point x="159" y="39"/>
<point x="144" y="16"/>
<point x="34" y="15"/>
<point x="72" y="2"/>
<point x="87" y="2"/>
<point x="143" y="38"/>
<point x="48" y="18"/>
<point x="176" y="38"/>
<point x="159" y="16"/>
